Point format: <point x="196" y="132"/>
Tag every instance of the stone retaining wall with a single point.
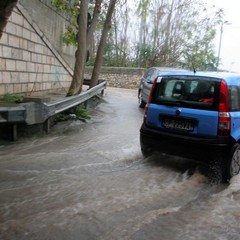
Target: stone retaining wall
<point x="119" y="77"/>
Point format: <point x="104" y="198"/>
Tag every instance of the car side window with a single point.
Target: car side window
<point x="147" y="73"/>
<point x="154" y="74"/>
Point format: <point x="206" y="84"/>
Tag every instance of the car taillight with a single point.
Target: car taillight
<point x="145" y="114"/>
<point x="149" y="100"/>
<point x="224" y="118"/>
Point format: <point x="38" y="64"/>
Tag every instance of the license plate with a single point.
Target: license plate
<point x="180" y="124"/>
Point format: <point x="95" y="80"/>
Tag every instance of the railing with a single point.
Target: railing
<point x="12" y="114"/>
<point x="69" y="102"/>
<point x="34" y="113"/>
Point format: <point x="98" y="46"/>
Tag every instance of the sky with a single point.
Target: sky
<point x="230" y="46"/>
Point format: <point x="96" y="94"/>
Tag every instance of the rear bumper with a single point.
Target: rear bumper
<point x="197" y="148"/>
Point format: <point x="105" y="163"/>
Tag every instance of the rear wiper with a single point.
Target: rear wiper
<point x="150" y="82"/>
<point x="177" y="102"/>
<point x="181" y="102"/>
<point x="169" y="102"/>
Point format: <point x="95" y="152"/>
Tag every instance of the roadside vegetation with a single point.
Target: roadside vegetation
<point x="76" y="113"/>
<point x="140" y="33"/>
<point x="11" y="98"/>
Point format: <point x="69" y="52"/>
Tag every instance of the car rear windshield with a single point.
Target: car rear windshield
<point x="192" y="92"/>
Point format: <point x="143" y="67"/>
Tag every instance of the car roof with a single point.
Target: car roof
<point x="232" y="78"/>
<point x="169" y="69"/>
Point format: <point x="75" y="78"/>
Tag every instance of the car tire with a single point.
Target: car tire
<point x="233" y="164"/>
<point x="146" y="150"/>
<point x="141" y="103"/>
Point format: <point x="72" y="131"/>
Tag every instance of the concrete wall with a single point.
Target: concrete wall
<point x="53" y="25"/>
<point x="28" y="61"/>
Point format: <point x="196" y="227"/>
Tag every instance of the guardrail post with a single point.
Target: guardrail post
<point x="14" y="132"/>
<point x="46" y="125"/>
<point x="85" y="104"/>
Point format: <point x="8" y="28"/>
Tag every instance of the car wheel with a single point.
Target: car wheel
<point x="146" y="150"/>
<point x="141" y="103"/>
<point x="233" y="167"/>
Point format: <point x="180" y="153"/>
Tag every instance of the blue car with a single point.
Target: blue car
<point x="197" y="116"/>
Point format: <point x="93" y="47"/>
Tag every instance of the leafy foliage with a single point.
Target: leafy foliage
<point x="155" y="32"/>
<point x="65" y="6"/>
<point x="178" y="34"/>
<point x="71" y="9"/>
<point x="10" y="98"/>
<point x="75" y="113"/>
<point x="69" y="36"/>
<point x="82" y="112"/>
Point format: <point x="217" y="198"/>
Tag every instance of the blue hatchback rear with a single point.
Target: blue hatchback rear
<point x="195" y="115"/>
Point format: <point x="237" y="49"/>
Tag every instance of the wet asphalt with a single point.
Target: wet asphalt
<point x="89" y="180"/>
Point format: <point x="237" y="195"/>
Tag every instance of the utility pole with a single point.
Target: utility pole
<point x="141" y="32"/>
<point x="220" y="41"/>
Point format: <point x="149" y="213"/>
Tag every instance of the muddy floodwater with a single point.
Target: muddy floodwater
<point x="90" y="181"/>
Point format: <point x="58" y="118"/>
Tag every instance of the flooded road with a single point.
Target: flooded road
<point x="90" y="181"/>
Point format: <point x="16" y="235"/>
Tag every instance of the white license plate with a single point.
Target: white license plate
<point x="180" y="124"/>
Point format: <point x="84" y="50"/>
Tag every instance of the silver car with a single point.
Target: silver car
<point x="147" y="81"/>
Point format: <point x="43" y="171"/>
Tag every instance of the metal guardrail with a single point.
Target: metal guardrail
<point x="69" y="102"/>
<point x="12" y="114"/>
<point x="35" y="113"/>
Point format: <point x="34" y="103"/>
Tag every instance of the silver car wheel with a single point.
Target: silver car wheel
<point x="141" y="103"/>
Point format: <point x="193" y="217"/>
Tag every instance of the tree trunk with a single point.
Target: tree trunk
<point x="100" y="52"/>
<point x="6" y="8"/>
<point x="78" y="75"/>
<point x="92" y="27"/>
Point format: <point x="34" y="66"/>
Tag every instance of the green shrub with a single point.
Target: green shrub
<point x="11" y="98"/>
<point x="81" y="112"/>
<point x="78" y="112"/>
